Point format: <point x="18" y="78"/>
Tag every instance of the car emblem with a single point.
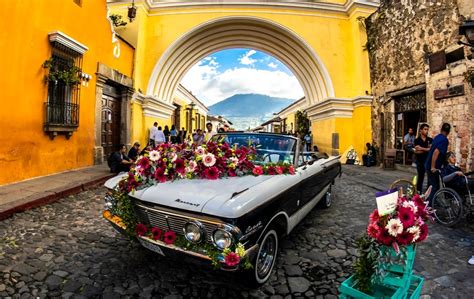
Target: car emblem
<point x="187" y="202"/>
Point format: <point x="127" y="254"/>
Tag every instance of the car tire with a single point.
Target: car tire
<point x="264" y="261"/>
<point x="326" y="200"/>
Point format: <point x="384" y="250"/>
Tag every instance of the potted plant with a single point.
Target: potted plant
<point x="69" y="75"/>
<point x="387" y="251"/>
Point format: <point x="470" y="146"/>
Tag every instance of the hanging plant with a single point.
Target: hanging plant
<point x="117" y="20"/>
<point x="69" y="75"/>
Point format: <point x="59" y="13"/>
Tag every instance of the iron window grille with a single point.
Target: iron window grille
<point x="62" y="105"/>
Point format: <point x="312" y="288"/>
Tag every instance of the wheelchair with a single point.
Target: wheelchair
<point x="450" y="205"/>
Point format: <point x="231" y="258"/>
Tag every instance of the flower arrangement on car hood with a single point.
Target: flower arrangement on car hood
<point x="168" y="162"/>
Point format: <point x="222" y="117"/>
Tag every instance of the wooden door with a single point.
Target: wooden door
<point x="110" y="124"/>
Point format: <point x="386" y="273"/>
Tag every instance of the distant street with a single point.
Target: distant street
<point x="68" y="250"/>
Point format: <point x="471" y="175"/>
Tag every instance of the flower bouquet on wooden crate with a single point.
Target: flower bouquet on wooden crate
<point x="384" y="268"/>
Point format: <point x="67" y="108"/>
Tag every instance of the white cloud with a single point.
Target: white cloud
<point x="246" y="59"/>
<point x="272" y="65"/>
<point x="211" y="86"/>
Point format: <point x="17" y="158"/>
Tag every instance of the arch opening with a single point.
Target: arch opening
<point x="241" y="32"/>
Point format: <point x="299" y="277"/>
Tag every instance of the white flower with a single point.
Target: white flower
<point x="200" y="151"/>
<point x="192" y="165"/>
<point x="155" y="156"/>
<point x="173" y="157"/>
<point x="394" y="227"/>
<point x="234" y="160"/>
<point x="208" y="160"/>
<point x="415" y="230"/>
<point x="411" y="205"/>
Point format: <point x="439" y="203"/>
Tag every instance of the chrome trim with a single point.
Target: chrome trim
<point x="184" y="215"/>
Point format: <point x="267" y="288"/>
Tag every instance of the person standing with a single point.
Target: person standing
<point x="436" y="157"/>
<point x="409" y="144"/>
<point x="308" y="141"/>
<point x="422" y="148"/>
<point x="173" y="135"/>
<point x="209" y="132"/>
<point x="153" y="131"/>
<point x="166" y="131"/>
<point x="160" y="136"/>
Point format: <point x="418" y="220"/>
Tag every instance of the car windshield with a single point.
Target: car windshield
<point x="270" y="148"/>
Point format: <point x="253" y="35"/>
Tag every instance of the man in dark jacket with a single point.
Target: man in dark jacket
<point x="119" y="161"/>
<point x="436" y="157"/>
<point x="134" y="150"/>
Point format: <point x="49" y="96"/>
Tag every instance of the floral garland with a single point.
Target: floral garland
<point x="230" y="257"/>
<point x="168" y="162"/>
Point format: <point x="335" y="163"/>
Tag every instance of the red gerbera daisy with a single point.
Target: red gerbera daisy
<point x="404" y="238"/>
<point x="180" y="166"/>
<point x="141" y="229"/>
<point x="373" y="230"/>
<point x="291" y="169"/>
<point x="211" y="173"/>
<point x="231" y="173"/>
<point x="374" y="217"/>
<point x="423" y="233"/>
<point x="169" y="237"/>
<point x="144" y="162"/>
<point x="160" y="175"/>
<point x="406" y="216"/>
<point x="257" y="170"/>
<point x="232" y="259"/>
<point x="384" y="237"/>
<point x="279" y="169"/>
<point x="156" y="233"/>
<point x="271" y="170"/>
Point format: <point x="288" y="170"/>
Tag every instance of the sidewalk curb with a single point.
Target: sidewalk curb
<point x="38" y="202"/>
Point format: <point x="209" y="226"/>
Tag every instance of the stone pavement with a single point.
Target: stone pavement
<point x="67" y="250"/>
<point x="18" y="197"/>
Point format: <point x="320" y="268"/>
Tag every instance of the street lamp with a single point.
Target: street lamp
<point x="132" y="12"/>
<point x="467" y="29"/>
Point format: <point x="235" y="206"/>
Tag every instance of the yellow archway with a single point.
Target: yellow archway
<point x="241" y="32"/>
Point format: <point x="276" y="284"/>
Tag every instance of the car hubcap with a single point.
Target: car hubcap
<point x="266" y="257"/>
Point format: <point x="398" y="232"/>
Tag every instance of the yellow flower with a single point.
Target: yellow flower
<point x="165" y="160"/>
<point x="240" y="250"/>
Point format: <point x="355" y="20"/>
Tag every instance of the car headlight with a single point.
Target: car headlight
<point x="225" y="236"/>
<point x="222" y="239"/>
<point x="193" y="231"/>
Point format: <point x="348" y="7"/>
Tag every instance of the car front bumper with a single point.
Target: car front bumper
<point x="161" y="247"/>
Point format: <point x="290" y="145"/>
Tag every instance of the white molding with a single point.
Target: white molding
<point x="69" y="42"/>
<point x="190" y="98"/>
<point x="154" y="107"/>
<point x="331" y="7"/>
<point x="337" y="107"/>
<point x="362" y="101"/>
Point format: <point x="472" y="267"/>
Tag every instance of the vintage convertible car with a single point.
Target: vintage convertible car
<point x="252" y="211"/>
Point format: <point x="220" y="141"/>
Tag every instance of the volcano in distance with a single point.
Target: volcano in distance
<point x="249" y="110"/>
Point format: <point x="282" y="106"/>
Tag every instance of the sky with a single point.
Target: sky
<point x="228" y="72"/>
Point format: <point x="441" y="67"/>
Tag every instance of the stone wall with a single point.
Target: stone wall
<point x="401" y="36"/>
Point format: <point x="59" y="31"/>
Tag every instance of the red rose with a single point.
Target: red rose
<point x="231" y="173"/>
<point x="180" y="166"/>
<point x="156" y="233"/>
<point x="271" y="170"/>
<point x="141" y="229"/>
<point x="232" y="259"/>
<point x="169" y="237"/>
<point x="279" y="169"/>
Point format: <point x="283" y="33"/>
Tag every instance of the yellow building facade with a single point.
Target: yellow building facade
<point x="48" y="126"/>
<point x="321" y="42"/>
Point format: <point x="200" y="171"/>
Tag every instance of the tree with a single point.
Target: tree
<point x="302" y="124"/>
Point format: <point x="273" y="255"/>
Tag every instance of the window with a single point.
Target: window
<point x="63" y="78"/>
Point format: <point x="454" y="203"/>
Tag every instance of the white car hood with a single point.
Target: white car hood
<point x="193" y="195"/>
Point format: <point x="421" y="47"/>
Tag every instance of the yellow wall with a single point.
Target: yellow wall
<point x="26" y="150"/>
<point x="337" y="38"/>
<point x="355" y="131"/>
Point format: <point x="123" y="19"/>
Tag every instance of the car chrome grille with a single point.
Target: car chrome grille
<point x="167" y="221"/>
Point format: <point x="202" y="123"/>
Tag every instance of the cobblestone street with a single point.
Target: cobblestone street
<point x="67" y="249"/>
